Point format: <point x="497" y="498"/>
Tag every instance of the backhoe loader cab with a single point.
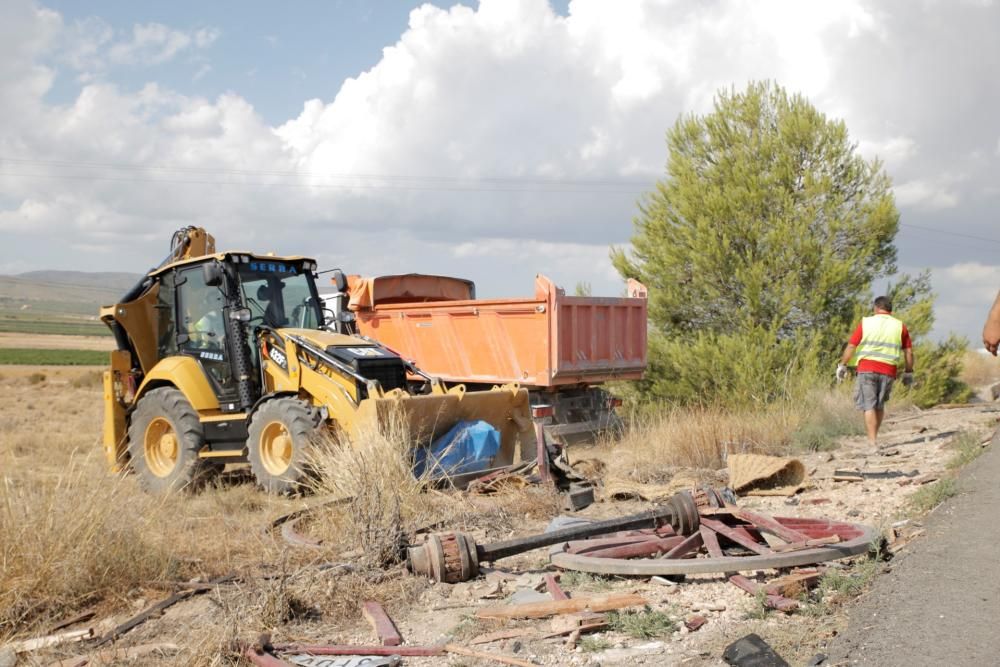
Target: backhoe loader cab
<point x="223" y="358"/>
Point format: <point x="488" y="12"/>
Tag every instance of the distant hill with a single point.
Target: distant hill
<point x="59" y="295"/>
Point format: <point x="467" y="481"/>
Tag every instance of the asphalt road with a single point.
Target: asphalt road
<point x="940" y="604"/>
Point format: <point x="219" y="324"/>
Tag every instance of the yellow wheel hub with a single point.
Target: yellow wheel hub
<point x="276" y="448"/>
<point x="160" y="447"/>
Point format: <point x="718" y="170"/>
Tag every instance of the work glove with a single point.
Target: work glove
<point x="907" y="378"/>
<point x="841" y="372"/>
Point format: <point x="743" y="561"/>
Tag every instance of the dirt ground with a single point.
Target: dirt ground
<point x="236" y="517"/>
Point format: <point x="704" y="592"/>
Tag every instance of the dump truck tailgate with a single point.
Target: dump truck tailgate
<point x="545" y="341"/>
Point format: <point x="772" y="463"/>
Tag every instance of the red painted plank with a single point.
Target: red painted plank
<point x="711" y="542"/>
<point x="690" y="543"/>
<point x="766" y="523"/>
<point x="636" y="549"/>
<point x="383" y="626"/>
<point x="553" y="588"/>
<point x="773" y="601"/>
<point x="740" y="537"/>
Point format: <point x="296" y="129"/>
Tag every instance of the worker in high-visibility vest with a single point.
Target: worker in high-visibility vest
<point x="878" y="347"/>
<point x="991" y="330"/>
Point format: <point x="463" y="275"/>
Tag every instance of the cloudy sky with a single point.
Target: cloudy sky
<point x="492" y="140"/>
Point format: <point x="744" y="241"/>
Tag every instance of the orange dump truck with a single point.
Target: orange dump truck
<point x="557" y="346"/>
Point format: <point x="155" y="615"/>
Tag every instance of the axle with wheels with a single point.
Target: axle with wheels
<point x="455" y="557"/>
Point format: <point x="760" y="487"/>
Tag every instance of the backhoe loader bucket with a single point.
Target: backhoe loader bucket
<point x="424" y="418"/>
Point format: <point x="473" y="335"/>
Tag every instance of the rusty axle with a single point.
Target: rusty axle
<point x="455" y="557"/>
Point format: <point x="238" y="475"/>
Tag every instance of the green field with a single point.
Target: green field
<point x="29" y="357"/>
<point x="52" y="325"/>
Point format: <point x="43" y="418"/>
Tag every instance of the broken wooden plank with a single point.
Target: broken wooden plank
<point x="574" y="605"/>
<point x="790" y="585"/>
<point x="778" y="602"/>
<point x="472" y="653"/>
<point x="771" y="525"/>
<point x="740" y="537"/>
<point x="690" y="543"/>
<point x="711" y="542"/>
<point x="552" y="586"/>
<point x="383" y="626"/>
<point x="807" y="543"/>
<point x="72" y="620"/>
<point x="35" y="643"/>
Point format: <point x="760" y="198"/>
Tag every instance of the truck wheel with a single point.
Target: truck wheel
<point x="278" y="444"/>
<point x="164" y="437"/>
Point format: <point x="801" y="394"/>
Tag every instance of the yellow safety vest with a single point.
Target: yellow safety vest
<point x="881" y="340"/>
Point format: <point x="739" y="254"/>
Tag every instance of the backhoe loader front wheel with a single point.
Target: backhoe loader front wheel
<point x="279" y="436"/>
<point x="164" y="437"/>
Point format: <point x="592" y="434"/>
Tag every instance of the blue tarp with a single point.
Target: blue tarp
<point x="469" y="446"/>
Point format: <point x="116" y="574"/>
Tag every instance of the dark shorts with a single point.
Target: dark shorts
<point x="872" y="390"/>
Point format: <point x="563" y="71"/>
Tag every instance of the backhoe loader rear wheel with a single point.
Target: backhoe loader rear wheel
<point x="279" y="436"/>
<point x="163" y="442"/>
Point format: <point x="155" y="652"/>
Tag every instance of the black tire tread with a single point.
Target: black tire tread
<point x="191" y="470"/>
<point x="301" y="421"/>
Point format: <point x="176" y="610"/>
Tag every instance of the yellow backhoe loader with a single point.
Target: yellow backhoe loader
<point x="224" y="357"/>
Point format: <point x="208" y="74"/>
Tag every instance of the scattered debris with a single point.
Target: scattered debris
<point x="752" y="651"/>
<point x="725" y="537"/>
<point x="695" y="623"/>
<point x="155" y="609"/>
<point x="773" y="601"/>
<point x="570" y="606"/>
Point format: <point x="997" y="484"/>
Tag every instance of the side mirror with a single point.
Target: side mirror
<point x="339" y="280"/>
<point x="212" y="273"/>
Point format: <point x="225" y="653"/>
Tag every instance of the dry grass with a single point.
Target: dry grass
<point x="657" y="444"/>
<point x="75" y="536"/>
<point x="979" y="369"/>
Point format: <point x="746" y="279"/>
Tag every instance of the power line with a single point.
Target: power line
<point x="949" y="233"/>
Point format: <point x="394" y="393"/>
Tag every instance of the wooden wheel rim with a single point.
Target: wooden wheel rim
<point x="276" y="448"/>
<point x="160" y="447"/>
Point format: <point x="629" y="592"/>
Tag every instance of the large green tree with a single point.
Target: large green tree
<point x="759" y="247"/>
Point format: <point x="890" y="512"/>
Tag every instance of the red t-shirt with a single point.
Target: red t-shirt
<point x="872" y="366"/>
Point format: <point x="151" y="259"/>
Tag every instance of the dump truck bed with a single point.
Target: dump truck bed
<point x="545" y="341"/>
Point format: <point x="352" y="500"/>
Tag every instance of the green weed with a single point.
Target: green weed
<point x="930" y="496"/>
<point x="967" y="448"/>
<point x="593" y="643"/>
<point x="645" y="624"/>
<point x="585" y="581"/>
